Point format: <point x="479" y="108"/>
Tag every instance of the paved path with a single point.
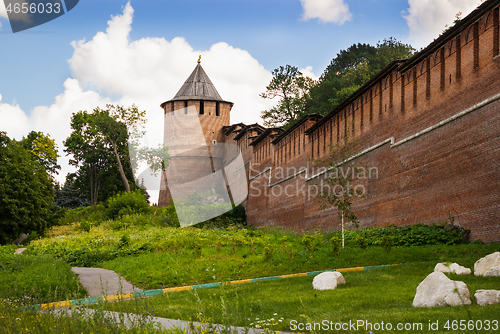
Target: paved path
<point x="103" y="282"/>
<point x="134" y="321"/>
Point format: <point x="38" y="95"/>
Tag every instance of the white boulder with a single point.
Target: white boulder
<point x="438" y="290"/>
<point x="487" y="297"/>
<point x="328" y="280"/>
<point x="488" y="265"/>
<point x="452" y="268"/>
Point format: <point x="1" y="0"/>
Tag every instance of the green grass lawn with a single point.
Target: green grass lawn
<point x="161" y="269"/>
<point x="377" y="295"/>
<point x="165" y="257"/>
<point x="30" y="279"/>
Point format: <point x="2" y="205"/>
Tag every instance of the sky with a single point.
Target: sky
<point x="141" y="52"/>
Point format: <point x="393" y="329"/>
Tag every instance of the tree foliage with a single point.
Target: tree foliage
<point x="69" y="196"/>
<point x="350" y="69"/>
<point x="43" y="149"/>
<point x="26" y="192"/>
<point x="292" y="89"/>
<point x="99" y="148"/>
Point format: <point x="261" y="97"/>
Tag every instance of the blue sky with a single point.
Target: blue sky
<point x="116" y="51"/>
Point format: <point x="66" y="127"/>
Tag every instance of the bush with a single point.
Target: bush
<point x="336" y="245"/>
<point x="127" y="203"/>
<point x="411" y="235"/>
<point x="386" y="242"/>
<point x="92" y="214"/>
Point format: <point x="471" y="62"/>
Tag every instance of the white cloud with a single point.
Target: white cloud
<point x="428" y="18"/>
<point x="14" y="120"/>
<point x="53" y="120"/>
<point x="3" y="12"/>
<point x="150" y="71"/>
<point x="307" y="72"/>
<point x="146" y="72"/>
<point x="326" y="10"/>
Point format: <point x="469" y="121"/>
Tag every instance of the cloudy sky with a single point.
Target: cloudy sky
<point x="141" y="51"/>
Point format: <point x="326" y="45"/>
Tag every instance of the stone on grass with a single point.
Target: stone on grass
<point x="487" y="297"/>
<point x="328" y="280"/>
<point x="19" y="250"/>
<point x="438" y="290"/>
<point x="452" y="268"/>
<point x="488" y="265"/>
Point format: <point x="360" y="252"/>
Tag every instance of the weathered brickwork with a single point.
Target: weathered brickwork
<point x="429" y="126"/>
<point x="451" y="169"/>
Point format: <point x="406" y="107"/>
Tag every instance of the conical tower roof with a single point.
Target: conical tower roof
<point x="198" y="86"/>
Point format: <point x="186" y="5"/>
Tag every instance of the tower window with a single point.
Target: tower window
<point x="217" y="109"/>
<point x="185" y="107"/>
<point x="202" y="108"/>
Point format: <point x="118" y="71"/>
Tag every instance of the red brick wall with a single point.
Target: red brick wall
<point x="453" y="169"/>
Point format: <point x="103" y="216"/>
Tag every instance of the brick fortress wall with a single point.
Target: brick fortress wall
<point x="430" y="125"/>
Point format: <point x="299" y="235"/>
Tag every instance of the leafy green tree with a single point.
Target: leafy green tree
<point x="99" y="148"/>
<point x="69" y="196"/>
<point x="105" y="130"/>
<point x="101" y="144"/>
<point x="26" y="192"/>
<point x="350" y="69"/>
<point x="292" y="88"/>
<point x="44" y="149"/>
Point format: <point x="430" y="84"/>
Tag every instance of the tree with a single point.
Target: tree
<point x="292" y="88"/>
<point x="350" y="69"/>
<point x="26" y="192"/>
<point x="337" y="186"/>
<point x="99" y="141"/>
<point x="44" y="149"/>
<point x="69" y="196"/>
<point x="101" y="145"/>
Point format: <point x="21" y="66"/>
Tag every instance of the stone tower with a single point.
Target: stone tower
<point x="197" y="103"/>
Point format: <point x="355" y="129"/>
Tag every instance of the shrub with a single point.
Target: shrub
<point x="386" y="242"/>
<point x="311" y="241"/>
<point x="93" y="214"/>
<point x="127" y="203"/>
<point x="268" y="253"/>
<point x="336" y="245"/>
<point x="361" y="242"/>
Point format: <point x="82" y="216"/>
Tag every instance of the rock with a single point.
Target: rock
<point x="328" y="280"/>
<point x="21" y="239"/>
<point x="19" y="250"/>
<point x="438" y="290"/>
<point x="488" y="265"/>
<point x="452" y="268"/>
<point x="340" y="278"/>
<point x="487" y="297"/>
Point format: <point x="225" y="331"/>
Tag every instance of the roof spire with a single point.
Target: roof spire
<point x="199" y="59"/>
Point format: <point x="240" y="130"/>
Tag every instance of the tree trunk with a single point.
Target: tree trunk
<point x="120" y="169"/>
<point x="342" y="229"/>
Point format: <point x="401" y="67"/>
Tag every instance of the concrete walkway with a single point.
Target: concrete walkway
<point x="103" y="282"/>
<point x="133" y="320"/>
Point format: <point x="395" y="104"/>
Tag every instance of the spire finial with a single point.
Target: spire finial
<point x="199" y="59"/>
